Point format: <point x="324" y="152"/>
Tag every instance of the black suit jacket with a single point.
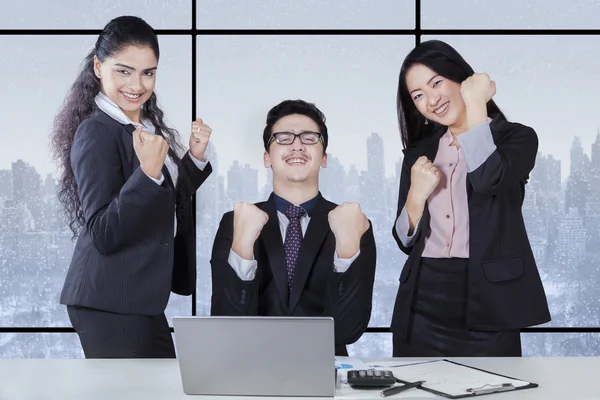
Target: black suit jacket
<point x="317" y="290"/>
<point x="126" y="259"/>
<point x="504" y="290"/>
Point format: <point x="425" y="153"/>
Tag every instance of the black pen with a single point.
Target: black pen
<point x="400" y="389"/>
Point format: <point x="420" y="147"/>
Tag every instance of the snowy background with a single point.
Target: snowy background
<point x="547" y="82"/>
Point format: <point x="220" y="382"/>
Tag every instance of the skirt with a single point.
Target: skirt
<point x="437" y="322"/>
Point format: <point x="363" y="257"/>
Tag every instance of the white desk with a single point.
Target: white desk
<point x="64" y="379"/>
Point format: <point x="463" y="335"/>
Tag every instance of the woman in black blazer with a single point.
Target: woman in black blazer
<point x="127" y="188"/>
<point x="470" y="282"/>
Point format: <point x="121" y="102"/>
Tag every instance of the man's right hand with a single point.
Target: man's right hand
<point x="151" y="150"/>
<point x="424" y="178"/>
<point x="248" y="222"/>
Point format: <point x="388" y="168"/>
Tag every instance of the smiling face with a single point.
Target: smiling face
<point x="128" y="78"/>
<point x="437" y="98"/>
<point x="296" y="162"/>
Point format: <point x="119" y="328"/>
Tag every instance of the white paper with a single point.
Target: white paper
<point x="348" y="363"/>
<point x="450" y="378"/>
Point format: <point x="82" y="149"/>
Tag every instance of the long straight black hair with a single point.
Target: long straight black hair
<point x="444" y="60"/>
<point x="79" y="103"/>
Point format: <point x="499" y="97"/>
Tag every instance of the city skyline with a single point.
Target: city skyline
<point x="248" y="75"/>
<point x="36" y="246"/>
<point x="543" y="81"/>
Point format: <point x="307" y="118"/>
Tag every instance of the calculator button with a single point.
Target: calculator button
<point x="387" y="374"/>
<point x="377" y="373"/>
<point x="362" y="373"/>
<point x="370" y="372"/>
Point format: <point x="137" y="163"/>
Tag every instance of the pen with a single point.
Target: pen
<point x="492" y="389"/>
<point x="398" y="389"/>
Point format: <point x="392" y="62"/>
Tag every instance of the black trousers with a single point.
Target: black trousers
<point x="437" y="323"/>
<point x="108" y="335"/>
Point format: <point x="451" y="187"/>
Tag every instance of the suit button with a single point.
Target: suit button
<point x="243" y="291"/>
<point x="243" y="301"/>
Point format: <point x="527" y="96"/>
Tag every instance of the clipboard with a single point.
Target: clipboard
<point x="454" y="380"/>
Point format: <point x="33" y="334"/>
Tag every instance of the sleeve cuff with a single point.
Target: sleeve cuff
<point x="158" y="181"/>
<point x="199" y="164"/>
<point x="244" y="269"/>
<point x="341" y="265"/>
<point x="476" y="144"/>
<point x="402" y="227"/>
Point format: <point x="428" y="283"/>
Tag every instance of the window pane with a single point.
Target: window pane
<point x="560" y="344"/>
<point x="307" y="14"/>
<point x="379" y="345"/>
<point x="40" y="345"/>
<point x="35" y="246"/>
<point x="510" y="14"/>
<point x="372" y="345"/>
<point x="352" y="79"/>
<point x="77" y="14"/>
<point x="546" y="82"/>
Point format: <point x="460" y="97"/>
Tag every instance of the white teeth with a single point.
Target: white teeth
<point x="296" y="161"/>
<point x="131" y="96"/>
<point x="441" y="109"/>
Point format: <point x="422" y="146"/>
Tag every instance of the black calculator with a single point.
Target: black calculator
<point x="370" y="379"/>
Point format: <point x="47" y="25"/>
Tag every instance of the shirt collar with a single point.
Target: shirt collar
<point x="282" y="204"/>
<point x="115" y="112"/>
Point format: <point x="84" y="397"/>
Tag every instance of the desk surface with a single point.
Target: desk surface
<point x="69" y="379"/>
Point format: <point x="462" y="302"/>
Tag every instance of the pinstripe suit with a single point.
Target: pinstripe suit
<point x="127" y="260"/>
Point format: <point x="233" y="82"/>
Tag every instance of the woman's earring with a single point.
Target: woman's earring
<point x="426" y="121"/>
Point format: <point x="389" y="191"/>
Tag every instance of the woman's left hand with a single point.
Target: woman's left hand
<point x="478" y="88"/>
<point x="199" y="139"/>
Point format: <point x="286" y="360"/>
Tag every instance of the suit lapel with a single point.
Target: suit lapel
<point x="273" y="244"/>
<point x="135" y="162"/>
<point x="317" y="231"/>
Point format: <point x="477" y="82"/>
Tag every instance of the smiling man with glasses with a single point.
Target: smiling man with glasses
<point x="296" y="254"/>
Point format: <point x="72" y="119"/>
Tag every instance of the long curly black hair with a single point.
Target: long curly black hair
<point x="78" y="105"/>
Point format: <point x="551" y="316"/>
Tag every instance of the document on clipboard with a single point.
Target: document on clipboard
<point x="455" y="381"/>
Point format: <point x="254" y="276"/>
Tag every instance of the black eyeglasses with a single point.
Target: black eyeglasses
<point x="287" y="138"/>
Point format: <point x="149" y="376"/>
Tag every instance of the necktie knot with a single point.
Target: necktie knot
<point x="294" y="212"/>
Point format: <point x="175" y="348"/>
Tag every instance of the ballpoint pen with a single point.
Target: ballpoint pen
<point x="487" y="389"/>
<point x="399" y="389"/>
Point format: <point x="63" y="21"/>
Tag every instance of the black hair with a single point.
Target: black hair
<point x="444" y="60"/>
<point x="79" y="104"/>
<point x="289" y="107"/>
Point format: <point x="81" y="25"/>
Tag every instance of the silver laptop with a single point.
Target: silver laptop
<point x="256" y="356"/>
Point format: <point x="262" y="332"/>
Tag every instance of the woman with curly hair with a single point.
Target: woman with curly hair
<point x="127" y="185"/>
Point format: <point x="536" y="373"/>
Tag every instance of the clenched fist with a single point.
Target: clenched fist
<point x="151" y="150"/>
<point x="248" y="222"/>
<point x="348" y="224"/>
<point x="478" y="89"/>
<point x="199" y="138"/>
<point x="424" y="178"/>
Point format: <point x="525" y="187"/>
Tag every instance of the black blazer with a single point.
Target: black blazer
<point x="505" y="290"/>
<point x="317" y="290"/>
<point x="126" y="259"/>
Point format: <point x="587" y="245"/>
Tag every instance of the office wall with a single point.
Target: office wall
<point x="545" y="79"/>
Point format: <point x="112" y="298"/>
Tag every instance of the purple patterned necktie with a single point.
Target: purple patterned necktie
<point x="293" y="240"/>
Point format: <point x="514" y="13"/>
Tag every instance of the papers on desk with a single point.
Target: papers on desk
<point x="454" y="380"/>
<point x="442" y="378"/>
<point x="348" y="363"/>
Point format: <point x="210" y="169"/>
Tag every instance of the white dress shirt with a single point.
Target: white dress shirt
<point x="115" y="112"/>
<point x="246" y="269"/>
